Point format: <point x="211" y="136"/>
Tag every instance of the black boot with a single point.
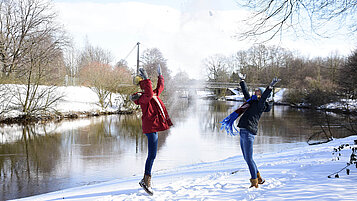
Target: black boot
<point x="145" y="183"/>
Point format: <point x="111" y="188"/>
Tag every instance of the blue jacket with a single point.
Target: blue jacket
<point x="251" y="116"/>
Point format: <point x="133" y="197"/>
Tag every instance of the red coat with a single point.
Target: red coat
<point x="155" y="117"/>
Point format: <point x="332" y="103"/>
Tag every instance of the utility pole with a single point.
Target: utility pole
<point x="137" y="60"/>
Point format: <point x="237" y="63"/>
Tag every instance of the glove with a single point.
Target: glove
<point x="242" y="76"/>
<point x="135" y="96"/>
<point x="159" y="69"/>
<point x="274" y="81"/>
<point x="143" y="73"/>
<point x="227" y="124"/>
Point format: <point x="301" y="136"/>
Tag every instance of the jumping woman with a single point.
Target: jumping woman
<point x="251" y="112"/>
<point x="154" y="118"/>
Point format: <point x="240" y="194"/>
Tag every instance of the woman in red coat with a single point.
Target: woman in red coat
<point x="154" y="118"/>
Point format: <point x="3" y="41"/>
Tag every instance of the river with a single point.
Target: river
<point x="40" y="158"/>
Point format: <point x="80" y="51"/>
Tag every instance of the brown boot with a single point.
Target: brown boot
<point x="260" y="179"/>
<point x="254" y="182"/>
<point x="145" y="183"/>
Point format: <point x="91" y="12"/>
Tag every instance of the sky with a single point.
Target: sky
<point x="185" y="31"/>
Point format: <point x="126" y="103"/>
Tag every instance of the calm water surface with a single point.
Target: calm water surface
<point x="36" y="159"/>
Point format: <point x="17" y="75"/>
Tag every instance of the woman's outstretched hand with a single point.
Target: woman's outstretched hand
<point x="242" y="76"/>
<point x="159" y="69"/>
<point x="143" y="73"/>
<point x="274" y="81"/>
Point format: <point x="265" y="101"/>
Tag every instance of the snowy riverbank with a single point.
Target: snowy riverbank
<point x="76" y="101"/>
<point x="291" y="174"/>
<point x="80" y="101"/>
<point x="344" y="105"/>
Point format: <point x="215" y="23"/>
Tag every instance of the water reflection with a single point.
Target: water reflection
<point x="36" y="159"/>
<point x="26" y="162"/>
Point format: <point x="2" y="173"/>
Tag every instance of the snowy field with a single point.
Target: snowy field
<point x="291" y="174"/>
<point x="75" y="99"/>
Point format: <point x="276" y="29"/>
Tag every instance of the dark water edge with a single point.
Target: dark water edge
<point x="56" y="117"/>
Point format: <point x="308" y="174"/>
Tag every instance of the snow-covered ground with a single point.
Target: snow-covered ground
<point x="344" y="104"/>
<point x="291" y="174"/>
<point x="75" y="99"/>
<point x="238" y="96"/>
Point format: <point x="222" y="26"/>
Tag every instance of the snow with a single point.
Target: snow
<point x="75" y="99"/>
<point x="238" y="96"/>
<point x="291" y="174"/>
<point x="343" y="104"/>
<point x="82" y="99"/>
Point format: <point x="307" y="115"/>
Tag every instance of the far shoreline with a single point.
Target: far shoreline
<point x="57" y="117"/>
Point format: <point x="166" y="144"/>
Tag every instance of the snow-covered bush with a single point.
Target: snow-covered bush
<point x="33" y="99"/>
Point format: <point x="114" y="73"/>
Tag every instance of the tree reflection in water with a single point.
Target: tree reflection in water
<point x="26" y="162"/>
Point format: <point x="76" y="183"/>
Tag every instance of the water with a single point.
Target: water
<point x="36" y="159"/>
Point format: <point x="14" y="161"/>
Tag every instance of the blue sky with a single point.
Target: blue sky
<point x="185" y="31"/>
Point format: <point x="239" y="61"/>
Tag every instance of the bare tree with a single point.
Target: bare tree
<point x="40" y="68"/>
<point x="71" y="56"/>
<point x="123" y="84"/>
<point x="273" y="18"/>
<point x="334" y="63"/>
<point x="94" y="54"/>
<point x="105" y="80"/>
<point x="22" y="24"/>
<point x="31" y="52"/>
<point x="217" y="68"/>
<point x="150" y="59"/>
<point x="96" y="76"/>
<point x="347" y="76"/>
<point x="5" y="98"/>
<point x="122" y="64"/>
<point x="261" y="63"/>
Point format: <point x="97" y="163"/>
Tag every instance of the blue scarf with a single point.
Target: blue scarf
<point x="227" y="122"/>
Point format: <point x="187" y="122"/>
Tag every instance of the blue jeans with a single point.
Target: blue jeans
<point x="246" y="144"/>
<point x="152" y="149"/>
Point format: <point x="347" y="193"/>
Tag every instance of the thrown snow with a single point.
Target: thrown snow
<point x="293" y="174"/>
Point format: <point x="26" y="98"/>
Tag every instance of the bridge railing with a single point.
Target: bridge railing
<point x="216" y="85"/>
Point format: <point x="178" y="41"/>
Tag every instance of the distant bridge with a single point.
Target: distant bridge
<point x="214" y="85"/>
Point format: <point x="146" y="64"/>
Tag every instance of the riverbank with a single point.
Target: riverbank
<point x="291" y="174"/>
<point x="344" y="106"/>
<point x="76" y="102"/>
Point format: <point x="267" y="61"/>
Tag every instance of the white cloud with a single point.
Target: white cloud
<point x="185" y="37"/>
